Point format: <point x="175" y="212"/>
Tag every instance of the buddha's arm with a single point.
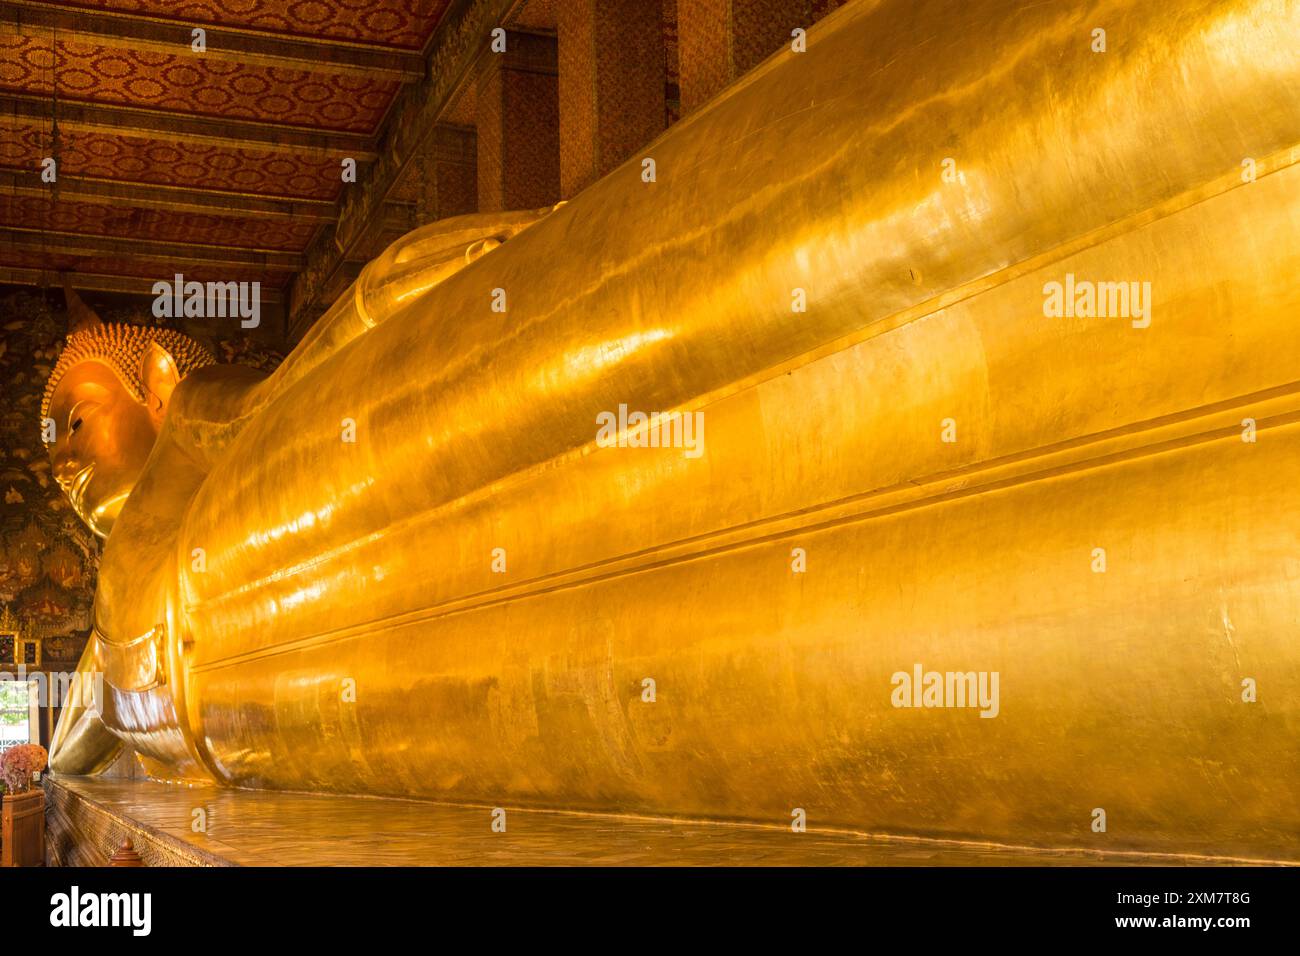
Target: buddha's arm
<point x="404" y="272"/>
<point x="215" y="403"/>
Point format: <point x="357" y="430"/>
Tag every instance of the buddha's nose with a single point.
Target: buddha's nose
<point x="65" y="465"/>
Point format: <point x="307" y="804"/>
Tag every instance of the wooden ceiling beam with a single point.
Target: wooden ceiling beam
<point x="173" y="127"/>
<point x="178" y="253"/>
<point x="171" y="198"/>
<point x="250" y="47"/>
<point x="96" y="282"/>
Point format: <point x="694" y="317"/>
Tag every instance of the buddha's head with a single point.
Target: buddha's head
<point x="106" y="400"/>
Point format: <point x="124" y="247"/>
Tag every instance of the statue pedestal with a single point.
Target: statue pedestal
<point x="91" y="817"/>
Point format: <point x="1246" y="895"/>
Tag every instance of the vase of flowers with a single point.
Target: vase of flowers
<point x="22" y="811"/>
<point x="18" y="763"/>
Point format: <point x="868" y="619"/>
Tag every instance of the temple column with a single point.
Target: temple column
<point x="517" y="120"/>
<point x="448" y="173"/>
<point x="611" y="57"/>
<point x="721" y="40"/>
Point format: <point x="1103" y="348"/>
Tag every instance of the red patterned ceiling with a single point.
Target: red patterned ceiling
<point x="96" y="70"/>
<point x="129" y="159"/>
<point x="397" y="23"/>
<point x="194" y="84"/>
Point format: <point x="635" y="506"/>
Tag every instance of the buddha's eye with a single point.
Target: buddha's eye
<point x="77" y="415"/>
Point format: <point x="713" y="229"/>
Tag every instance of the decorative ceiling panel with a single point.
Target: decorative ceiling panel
<point x="155" y="162"/>
<point x="194" y="85"/>
<point x="100" y="219"/>
<point x="397" y="23"/>
<point x="255" y="134"/>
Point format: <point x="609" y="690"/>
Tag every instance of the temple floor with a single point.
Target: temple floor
<point x="88" y="818"/>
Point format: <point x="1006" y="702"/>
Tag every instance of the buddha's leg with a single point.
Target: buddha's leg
<point x="404" y="272"/>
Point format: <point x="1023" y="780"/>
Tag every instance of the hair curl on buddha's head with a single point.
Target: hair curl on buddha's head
<point x="122" y="347"/>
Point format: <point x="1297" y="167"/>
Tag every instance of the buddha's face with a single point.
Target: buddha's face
<point x="103" y="437"/>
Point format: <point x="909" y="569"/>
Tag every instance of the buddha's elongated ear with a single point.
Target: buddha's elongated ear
<point x="80" y="316"/>
<point x="159" y="374"/>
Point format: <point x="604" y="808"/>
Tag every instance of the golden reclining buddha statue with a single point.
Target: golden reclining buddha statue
<point x="991" y="338"/>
